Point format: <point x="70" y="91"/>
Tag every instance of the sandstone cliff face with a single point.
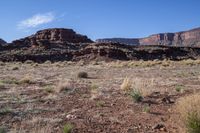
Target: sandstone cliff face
<point x="62" y="35"/>
<point x="186" y="38"/>
<point x="50" y="36"/>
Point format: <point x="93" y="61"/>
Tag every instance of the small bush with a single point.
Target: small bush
<point x="26" y="80"/>
<point x="5" y="111"/>
<point x="136" y="95"/>
<point x="10" y="81"/>
<point x="49" y="89"/>
<point x="126" y="85"/>
<point x="2" y="86"/>
<point x="2" y="130"/>
<point x="100" y="103"/>
<point x="189" y="109"/>
<point x="82" y="75"/>
<point x="193" y="123"/>
<point x="146" y="109"/>
<point x="15" y="68"/>
<point x="179" y="88"/>
<point x="67" y="128"/>
<point x="64" y="86"/>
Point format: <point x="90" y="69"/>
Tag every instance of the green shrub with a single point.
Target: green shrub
<point x="49" y="89"/>
<point x="193" y="123"/>
<point x="179" y="88"/>
<point x="2" y="130"/>
<point x="136" y="95"/>
<point x="67" y="128"/>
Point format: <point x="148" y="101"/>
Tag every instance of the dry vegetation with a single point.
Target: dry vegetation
<point x="132" y="96"/>
<point x="189" y="109"/>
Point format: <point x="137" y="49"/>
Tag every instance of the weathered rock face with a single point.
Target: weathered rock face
<point x="2" y="41"/>
<point x="61" y="35"/>
<point x="186" y="38"/>
<point x="50" y="36"/>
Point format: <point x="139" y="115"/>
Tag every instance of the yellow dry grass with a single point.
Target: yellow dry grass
<point x="189" y="109"/>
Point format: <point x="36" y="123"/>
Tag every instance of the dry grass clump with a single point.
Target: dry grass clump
<point x="2" y="86"/>
<point x="15" y="68"/>
<point x="189" y="109"/>
<point x="26" y="80"/>
<point x="49" y="89"/>
<point x="29" y="62"/>
<point x="82" y="75"/>
<point x="94" y="91"/>
<point x="190" y="62"/>
<point x="143" y="86"/>
<point x="126" y="85"/>
<point x="64" y="86"/>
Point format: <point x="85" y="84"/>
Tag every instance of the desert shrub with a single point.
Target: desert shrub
<point x="67" y="128"/>
<point x="179" y="88"/>
<point x="15" y="68"/>
<point x="189" y="109"/>
<point x="2" y="63"/>
<point x="146" y="109"/>
<point x="136" y="95"/>
<point x="49" y="89"/>
<point x="126" y="85"/>
<point x="82" y="75"/>
<point x="64" y="86"/>
<point x="100" y="103"/>
<point x="2" y="86"/>
<point x="5" y="111"/>
<point x="26" y="80"/>
<point x="10" y="81"/>
<point x="2" y="130"/>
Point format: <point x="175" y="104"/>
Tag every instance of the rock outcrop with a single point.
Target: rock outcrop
<point x="50" y="36"/>
<point x="186" y="38"/>
<point x="2" y="42"/>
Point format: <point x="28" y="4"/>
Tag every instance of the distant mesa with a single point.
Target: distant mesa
<point x="185" y="38"/>
<point x="55" y="35"/>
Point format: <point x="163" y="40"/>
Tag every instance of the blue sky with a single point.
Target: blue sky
<point x="98" y="18"/>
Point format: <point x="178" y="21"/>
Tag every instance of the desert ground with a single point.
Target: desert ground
<point x="110" y="97"/>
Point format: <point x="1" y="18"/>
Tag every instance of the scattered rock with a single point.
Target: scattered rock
<point x="160" y="127"/>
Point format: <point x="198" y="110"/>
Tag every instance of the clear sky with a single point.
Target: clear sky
<point x="98" y="18"/>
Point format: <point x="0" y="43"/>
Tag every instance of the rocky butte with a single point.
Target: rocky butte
<point x="60" y="44"/>
<point x="184" y="38"/>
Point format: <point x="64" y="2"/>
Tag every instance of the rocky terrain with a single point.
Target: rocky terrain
<point x="67" y="45"/>
<point x="51" y="98"/>
<point x="185" y="38"/>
